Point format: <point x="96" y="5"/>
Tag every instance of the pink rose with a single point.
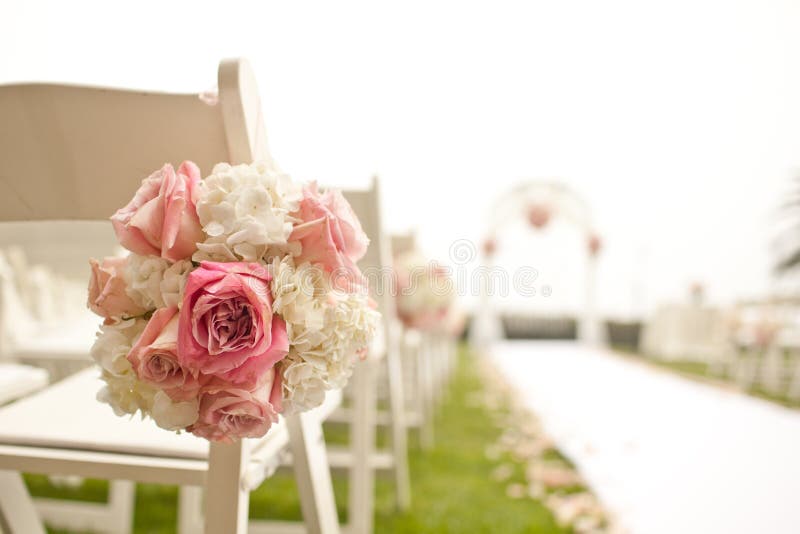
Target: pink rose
<point x="107" y="296"/>
<point x="229" y="414"/>
<point x="161" y="219"/>
<point x="330" y="235"/>
<point x="154" y="357"/>
<point x="227" y="328"/>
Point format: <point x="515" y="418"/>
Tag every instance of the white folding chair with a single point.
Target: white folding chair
<point x="418" y="365"/>
<point x="361" y="459"/>
<point x="417" y="354"/>
<point x="432" y="351"/>
<point x="78" y="153"/>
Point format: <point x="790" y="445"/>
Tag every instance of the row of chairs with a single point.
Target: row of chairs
<point x="755" y="345"/>
<point x="762" y="349"/>
<point x="69" y="141"/>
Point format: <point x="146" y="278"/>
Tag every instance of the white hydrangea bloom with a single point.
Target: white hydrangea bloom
<point x="123" y="391"/>
<point x="171" y="415"/>
<point x="143" y="276"/>
<point x="154" y="282"/>
<point x="299" y="296"/>
<point x="114" y="342"/>
<point x="126" y="395"/>
<point x="173" y="283"/>
<point x="303" y="385"/>
<point x="244" y="210"/>
<point x="327" y="329"/>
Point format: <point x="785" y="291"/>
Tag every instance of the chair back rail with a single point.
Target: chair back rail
<point x="77" y="153"/>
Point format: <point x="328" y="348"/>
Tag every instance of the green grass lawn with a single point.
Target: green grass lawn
<point x="452" y="487"/>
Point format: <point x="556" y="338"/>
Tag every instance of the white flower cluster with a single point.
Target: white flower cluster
<point x="154" y="282"/>
<point x="244" y="211"/>
<point x="247" y="214"/>
<point x="123" y="391"/>
<point x="326" y="330"/>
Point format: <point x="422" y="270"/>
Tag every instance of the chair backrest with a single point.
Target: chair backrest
<point x="377" y="262"/>
<point x="79" y="153"/>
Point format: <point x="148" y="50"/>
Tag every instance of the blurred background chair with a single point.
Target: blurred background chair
<point x="16" y="380"/>
<point x="362" y="458"/>
<point x="378" y="378"/>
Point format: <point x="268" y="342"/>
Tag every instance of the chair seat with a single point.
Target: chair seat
<point x="19" y="380"/>
<point x="68" y="416"/>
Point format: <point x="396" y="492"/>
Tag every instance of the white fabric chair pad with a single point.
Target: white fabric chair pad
<point x="68" y="416"/>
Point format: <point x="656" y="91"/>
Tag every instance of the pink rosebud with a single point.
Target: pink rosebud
<point x="227" y="328"/>
<point x="595" y="244"/>
<point x="489" y="247"/>
<point x="107" y="295"/>
<point x="330" y="236"/>
<point x="230" y="414"/>
<point x="154" y="357"/>
<point x="161" y="218"/>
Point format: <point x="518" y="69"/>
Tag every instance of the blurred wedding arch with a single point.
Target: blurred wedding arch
<point x="537" y="203"/>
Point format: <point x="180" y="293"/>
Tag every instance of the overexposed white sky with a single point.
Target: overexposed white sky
<point x="677" y="120"/>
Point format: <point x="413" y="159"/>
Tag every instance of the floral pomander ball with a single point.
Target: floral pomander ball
<point x="240" y="299"/>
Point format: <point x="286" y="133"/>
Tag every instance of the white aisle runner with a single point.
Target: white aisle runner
<point x="666" y="455"/>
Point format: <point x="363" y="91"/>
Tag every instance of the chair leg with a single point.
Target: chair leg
<point x="17" y="513"/>
<point x="747" y="368"/>
<point x="227" y="497"/>
<point x="442" y="378"/>
<point x="313" y="474"/>
<point x="397" y="407"/>
<point x="770" y="372"/>
<point x="121" y="499"/>
<point x="424" y="395"/>
<point x="433" y="368"/>
<point x="793" y="391"/>
<point x="362" y="446"/>
<point x="190" y="509"/>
